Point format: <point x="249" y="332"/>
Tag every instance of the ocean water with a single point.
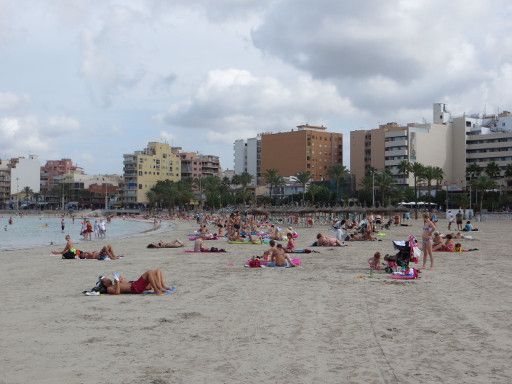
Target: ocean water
<point x="29" y="231"/>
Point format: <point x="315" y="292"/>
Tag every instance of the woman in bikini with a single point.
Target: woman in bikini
<point x="428" y="228"/>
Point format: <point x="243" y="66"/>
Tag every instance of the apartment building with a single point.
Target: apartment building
<point x="387" y="146"/>
<point x="16" y="174"/>
<point x="195" y="165"/>
<point x="143" y="169"/>
<point x="247" y="158"/>
<point x="308" y="148"/>
<point x="481" y="140"/>
<point x="56" y="168"/>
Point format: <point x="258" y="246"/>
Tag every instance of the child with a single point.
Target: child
<point x="374" y="262"/>
<point x="290" y="246"/>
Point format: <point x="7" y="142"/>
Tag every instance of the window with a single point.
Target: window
<point x="140" y="173"/>
<point x="140" y="186"/>
<point x="468" y="123"/>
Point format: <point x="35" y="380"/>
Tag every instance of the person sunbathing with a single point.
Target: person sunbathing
<point x="447" y="246"/>
<point x="149" y="280"/>
<point x="173" y="244"/>
<point x="325" y="241"/>
<point x="198" y="245"/>
<point x="269" y="253"/>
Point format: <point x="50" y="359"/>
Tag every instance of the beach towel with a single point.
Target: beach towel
<point x="411" y="274"/>
<point x="205" y="251"/>
<point x="266" y="264"/>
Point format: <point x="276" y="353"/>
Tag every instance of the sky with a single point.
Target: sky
<point x="93" y="79"/>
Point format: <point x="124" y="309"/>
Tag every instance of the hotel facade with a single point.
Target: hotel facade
<point x="143" y="169"/>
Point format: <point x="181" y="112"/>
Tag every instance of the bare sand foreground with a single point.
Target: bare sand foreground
<point x="327" y="322"/>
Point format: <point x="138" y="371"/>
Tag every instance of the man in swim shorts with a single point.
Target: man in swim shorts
<point x="152" y="279"/>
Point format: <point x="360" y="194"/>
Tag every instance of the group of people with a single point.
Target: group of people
<point x="71" y="252"/>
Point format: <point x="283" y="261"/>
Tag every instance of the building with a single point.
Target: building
<point x="367" y="149"/>
<point x="143" y="169"/>
<point x="387" y="146"/>
<point x="195" y="165"/>
<point x="16" y="175"/>
<point x="481" y="140"/>
<point x="308" y="148"/>
<point x="55" y="168"/>
<point x="248" y="158"/>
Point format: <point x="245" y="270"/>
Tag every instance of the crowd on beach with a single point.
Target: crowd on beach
<point x="244" y="228"/>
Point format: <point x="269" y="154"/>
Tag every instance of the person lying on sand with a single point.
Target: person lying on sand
<point x="152" y="279"/>
<point x="173" y="244"/>
<point x="325" y="241"/>
<point x="107" y="252"/>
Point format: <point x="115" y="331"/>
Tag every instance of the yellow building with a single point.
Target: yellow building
<point x="143" y="169"/>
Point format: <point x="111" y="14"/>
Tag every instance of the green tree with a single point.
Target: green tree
<point x="493" y="170"/>
<point x="28" y="192"/>
<point x="337" y="173"/>
<point x="508" y="172"/>
<point x="315" y="190"/>
<point x="303" y="177"/>
<point x="473" y="170"/>
<point x="417" y="170"/>
<point x="273" y="179"/>
<point x="429" y="174"/>
<point x="438" y="174"/>
<point x="384" y="180"/>
<point x="404" y="167"/>
<point x="483" y="184"/>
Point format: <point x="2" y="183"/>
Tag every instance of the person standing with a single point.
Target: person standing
<point x="428" y="229"/>
<point x="458" y="218"/>
<point x="62" y="224"/>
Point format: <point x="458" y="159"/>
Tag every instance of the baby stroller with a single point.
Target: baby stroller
<point x="402" y="259"/>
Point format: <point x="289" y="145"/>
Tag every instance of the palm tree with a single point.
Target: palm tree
<point x="314" y="190"/>
<point x="508" y="172"/>
<point x="429" y="175"/>
<point x="28" y="192"/>
<point x="303" y="177"/>
<point x="417" y="169"/>
<point x="438" y="176"/>
<point x="337" y="173"/>
<point x="483" y="183"/>
<point x="493" y="170"/>
<point x="244" y="179"/>
<point x="473" y="171"/>
<point x="273" y="179"/>
<point x="384" y="181"/>
<point x="404" y="168"/>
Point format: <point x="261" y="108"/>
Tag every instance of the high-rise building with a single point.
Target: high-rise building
<point x="248" y="158"/>
<point x="481" y="140"/>
<point x="143" y="169"/>
<point x="387" y="146"/>
<point x="308" y="148"/>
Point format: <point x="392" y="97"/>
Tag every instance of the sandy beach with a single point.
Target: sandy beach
<point x="326" y="322"/>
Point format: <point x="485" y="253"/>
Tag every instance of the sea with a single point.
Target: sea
<point x="29" y="231"/>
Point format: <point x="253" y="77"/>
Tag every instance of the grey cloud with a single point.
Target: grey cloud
<point x="386" y="55"/>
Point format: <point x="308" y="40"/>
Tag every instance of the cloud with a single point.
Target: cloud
<point x="58" y="125"/>
<point x="23" y="135"/>
<point x="10" y="100"/>
<point x="231" y="102"/>
<point x="388" y="55"/>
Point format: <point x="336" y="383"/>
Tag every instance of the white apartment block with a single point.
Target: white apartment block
<point x="25" y="172"/>
<point x="247" y="157"/>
